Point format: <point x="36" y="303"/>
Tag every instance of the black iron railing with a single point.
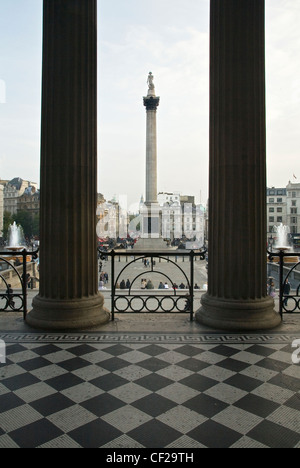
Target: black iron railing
<point x="14" y="270"/>
<point x="289" y="280"/>
<point x="173" y="300"/>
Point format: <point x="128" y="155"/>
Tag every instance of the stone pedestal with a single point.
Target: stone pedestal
<point x="69" y="297"/>
<point x="237" y="294"/>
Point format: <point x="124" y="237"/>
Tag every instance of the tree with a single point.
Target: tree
<point x="7" y="221"/>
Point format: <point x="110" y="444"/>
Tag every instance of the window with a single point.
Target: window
<point x="279" y="219"/>
<point x="271" y="200"/>
<point x="293" y="220"/>
<point x="271" y="210"/>
<point x="271" y="219"/>
<point x="294" y="202"/>
<point x="294" y="210"/>
<point x="279" y="210"/>
<point x="279" y="200"/>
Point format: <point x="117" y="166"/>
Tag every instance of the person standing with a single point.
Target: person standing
<point x="286" y="291"/>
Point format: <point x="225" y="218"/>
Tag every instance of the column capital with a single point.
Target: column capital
<point x="151" y="103"/>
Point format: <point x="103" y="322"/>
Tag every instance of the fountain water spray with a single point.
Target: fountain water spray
<point x="282" y="232"/>
<point x="15" y="236"/>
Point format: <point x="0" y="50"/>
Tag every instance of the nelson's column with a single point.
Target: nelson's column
<point x="151" y="213"/>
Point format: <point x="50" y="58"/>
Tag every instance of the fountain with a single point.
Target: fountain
<point x="16" y="239"/>
<point x="282" y="243"/>
<point x="282" y="232"/>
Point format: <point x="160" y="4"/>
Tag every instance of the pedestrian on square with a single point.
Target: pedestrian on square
<point x="286" y="291"/>
<point x="150" y="285"/>
<point x="271" y="289"/>
<point x="161" y="285"/>
<point x="128" y="284"/>
<point x="123" y="285"/>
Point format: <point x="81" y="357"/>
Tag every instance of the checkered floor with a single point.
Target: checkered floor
<point x="152" y="391"/>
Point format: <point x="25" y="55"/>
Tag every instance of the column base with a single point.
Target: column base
<point x="238" y="315"/>
<point x="77" y="314"/>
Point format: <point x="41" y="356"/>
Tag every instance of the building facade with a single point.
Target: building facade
<point x="13" y="190"/>
<point x="293" y="212"/>
<point x="276" y="208"/>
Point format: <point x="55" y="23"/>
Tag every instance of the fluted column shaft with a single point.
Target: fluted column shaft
<point x="68" y="257"/>
<point x="237" y="226"/>
<point x="151" y="103"/>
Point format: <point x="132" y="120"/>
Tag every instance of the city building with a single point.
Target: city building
<point x="13" y="190"/>
<point x="29" y="201"/>
<point x="276" y="208"/>
<point x="293" y="212"/>
<point x="283" y="206"/>
<point x="181" y="217"/>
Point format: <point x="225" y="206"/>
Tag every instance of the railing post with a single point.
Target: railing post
<point x="24" y="283"/>
<point x="281" y="264"/>
<point x="113" y="286"/>
<point x="192" y="254"/>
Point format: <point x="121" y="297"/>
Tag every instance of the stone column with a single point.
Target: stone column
<point x="69" y="297"/>
<point x="151" y="103"/>
<point x="237" y="294"/>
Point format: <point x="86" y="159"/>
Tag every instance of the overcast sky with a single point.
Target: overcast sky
<point x="171" y="39"/>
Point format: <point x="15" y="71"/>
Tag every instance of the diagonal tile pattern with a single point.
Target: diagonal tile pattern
<point x="135" y="391"/>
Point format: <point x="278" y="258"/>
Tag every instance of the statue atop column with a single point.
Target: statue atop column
<point x="151" y="87"/>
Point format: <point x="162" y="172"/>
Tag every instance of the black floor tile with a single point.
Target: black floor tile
<point x="243" y="382"/>
<point x="154" y="405"/>
<point x="260" y="350"/>
<point x="52" y="404"/>
<point x="199" y="382"/>
<point x="64" y="381"/>
<point x="194" y="365"/>
<point x="19" y="381"/>
<point x="205" y="405"/>
<point x="294" y="402"/>
<point x="103" y="404"/>
<point x="189" y="350"/>
<point x="274" y="436"/>
<point x="113" y="364"/>
<point x="9" y="401"/>
<point x="94" y="434"/>
<point x="82" y="349"/>
<point x="153" y="364"/>
<point x="154" y="382"/>
<point x="154" y="350"/>
<point x="257" y="405"/>
<point x="286" y="381"/>
<point x="154" y="434"/>
<point x="109" y="382"/>
<point x="273" y="364"/>
<point x="46" y="349"/>
<point x="117" y="350"/>
<point x="35" y="434"/>
<point x="33" y="364"/>
<point x="74" y="364"/>
<point x="233" y="365"/>
<point x="214" y="435"/>
<point x="226" y="351"/>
